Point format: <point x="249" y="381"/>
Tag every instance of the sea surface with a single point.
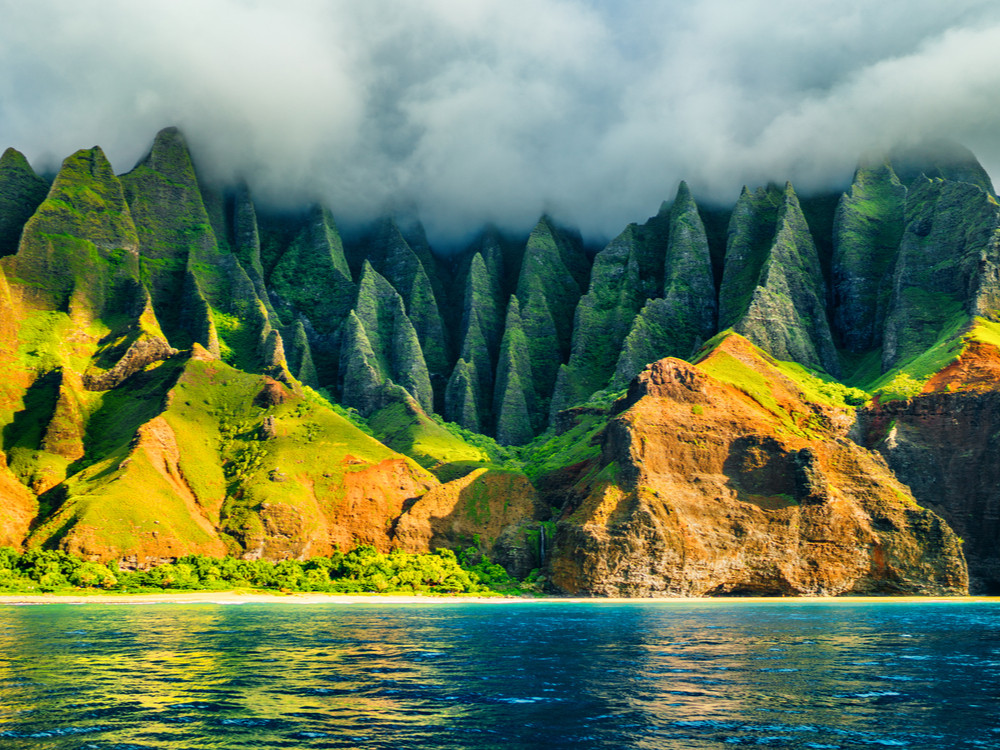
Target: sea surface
<point x="501" y="675"/>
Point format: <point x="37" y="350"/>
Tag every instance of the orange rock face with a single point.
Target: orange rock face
<point x="978" y="369"/>
<point x="702" y="490"/>
<point x="19" y="507"/>
<point x="483" y="503"/>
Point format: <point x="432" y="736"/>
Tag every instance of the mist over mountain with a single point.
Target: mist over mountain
<point x="470" y="111"/>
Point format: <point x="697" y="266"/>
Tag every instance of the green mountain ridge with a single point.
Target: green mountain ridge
<point x="163" y="340"/>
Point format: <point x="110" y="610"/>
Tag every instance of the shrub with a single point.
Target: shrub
<point x="363" y="569"/>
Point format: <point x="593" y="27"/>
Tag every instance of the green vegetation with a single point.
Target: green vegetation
<point x="868" y="227"/>
<point x="758" y="383"/>
<point x="427" y="441"/>
<point x="468" y="397"/>
<point x="362" y="570"/>
<point x="312" y="274"/>
<point x="985" y="332"/>
<point x="77" y="252"/>
<point x="676" y="323"/>
<point x="514" y="399"/>
<point x="21" y="191"/>
<point x="900" y="388"/>
<point x="751" y="231"/>
<point x="197" y="454"/>
<point x="400" y="264"/>
<point x="381" y="345"/>
<point x="818" y="386"/>
<point x="553" y="272"/>
<point x="951" y="227"/>
<point x="549" y="451"/>
<point x="902" y="381"/>
<point x="603" y="318"/>
<point x="908" y="379"/>
<point x="787" y="312"/>
<point x="727" y="368"/>
<point x="461" y="396"/>
<point x="651" y="295"/>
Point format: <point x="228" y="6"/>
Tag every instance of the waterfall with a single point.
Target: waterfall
<point x="541" y="545"/>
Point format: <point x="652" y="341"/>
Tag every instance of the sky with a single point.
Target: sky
<point x="475" y="111"/>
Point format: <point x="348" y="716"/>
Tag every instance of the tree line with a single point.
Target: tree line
<point x="361" y="570"/>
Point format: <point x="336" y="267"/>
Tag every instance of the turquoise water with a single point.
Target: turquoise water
<point x="463" y="675"/>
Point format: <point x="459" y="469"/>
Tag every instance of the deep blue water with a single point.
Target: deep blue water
<point x="532" y="675"/>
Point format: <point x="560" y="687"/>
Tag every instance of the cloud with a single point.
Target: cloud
<point x="496" y="110"/>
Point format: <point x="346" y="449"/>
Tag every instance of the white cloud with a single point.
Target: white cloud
<point x="477" y="110"/>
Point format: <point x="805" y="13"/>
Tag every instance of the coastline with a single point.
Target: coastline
<point x="258" y="597"/>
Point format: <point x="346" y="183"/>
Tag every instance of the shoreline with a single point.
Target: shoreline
<point x="257" y="597"/>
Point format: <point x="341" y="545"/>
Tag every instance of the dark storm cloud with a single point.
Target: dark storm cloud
<point x="495" y="110"/>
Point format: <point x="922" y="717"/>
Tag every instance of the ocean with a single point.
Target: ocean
<point x="547" y="674"/>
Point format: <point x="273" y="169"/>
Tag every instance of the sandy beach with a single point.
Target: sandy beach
<point x="256" y="597"/>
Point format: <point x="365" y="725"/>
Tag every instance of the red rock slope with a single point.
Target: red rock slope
<point x="707" y="487"/>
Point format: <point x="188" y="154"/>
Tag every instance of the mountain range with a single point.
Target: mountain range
<point x="784" y="396"/>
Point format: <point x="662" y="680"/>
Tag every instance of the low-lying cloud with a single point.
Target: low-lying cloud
<point x="496" y="110"/>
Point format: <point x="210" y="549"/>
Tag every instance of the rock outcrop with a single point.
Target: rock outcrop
<point x="475" y="509"/>
<point x="183" y="260"/>
<point x="400" y="263"/>
<point x="311" y="281"/>
<point x="79" y="251"/>
<point x="680" y="321"/>
<point x="515" y="401"/>
<point x="867" y="230"/>
<point x="469" y="394"/>
<point x="553" y="273"/>
<point x="947" y="269"/>
<point x="773" y="291"/>
<point x="380" y="346"/>
<point x="701" y="489"/>
<point x="942" y="444"/>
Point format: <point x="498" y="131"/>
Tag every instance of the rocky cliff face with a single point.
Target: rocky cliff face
<point x="947" y="267"/>
<point x="701" y="489"/>
<point x="867" y="230"/>
<point x="160" y="339"/>
<point x="680" y="321"/>
<point x="381" y="347"/>
<point x="773" y="285"/>
<point x="942" y="444"/>
<point x="21" y="192"/>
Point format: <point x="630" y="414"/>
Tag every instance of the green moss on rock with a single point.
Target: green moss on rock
<point x="381" y="346"/>
<point x="679" y="322"/>
<point x="773" y="290"/>
<point x="461" y="398"/>
<point x="396" y="260"/>
<point x="80" y="246"/>
<point x="553" y="273"/>
<point x="183" y="259"/>
<point x="514" y="401"/>
<point x="947" y="267"/>
<point x="867" y="230"/>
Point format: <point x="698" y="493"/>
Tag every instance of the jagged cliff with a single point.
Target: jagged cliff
<point x="941" y="442"/>
<point x="161" y="340"/>
<point x="707" y="485"/>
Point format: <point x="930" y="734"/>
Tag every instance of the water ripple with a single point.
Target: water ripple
<point x="809" y="676"/>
